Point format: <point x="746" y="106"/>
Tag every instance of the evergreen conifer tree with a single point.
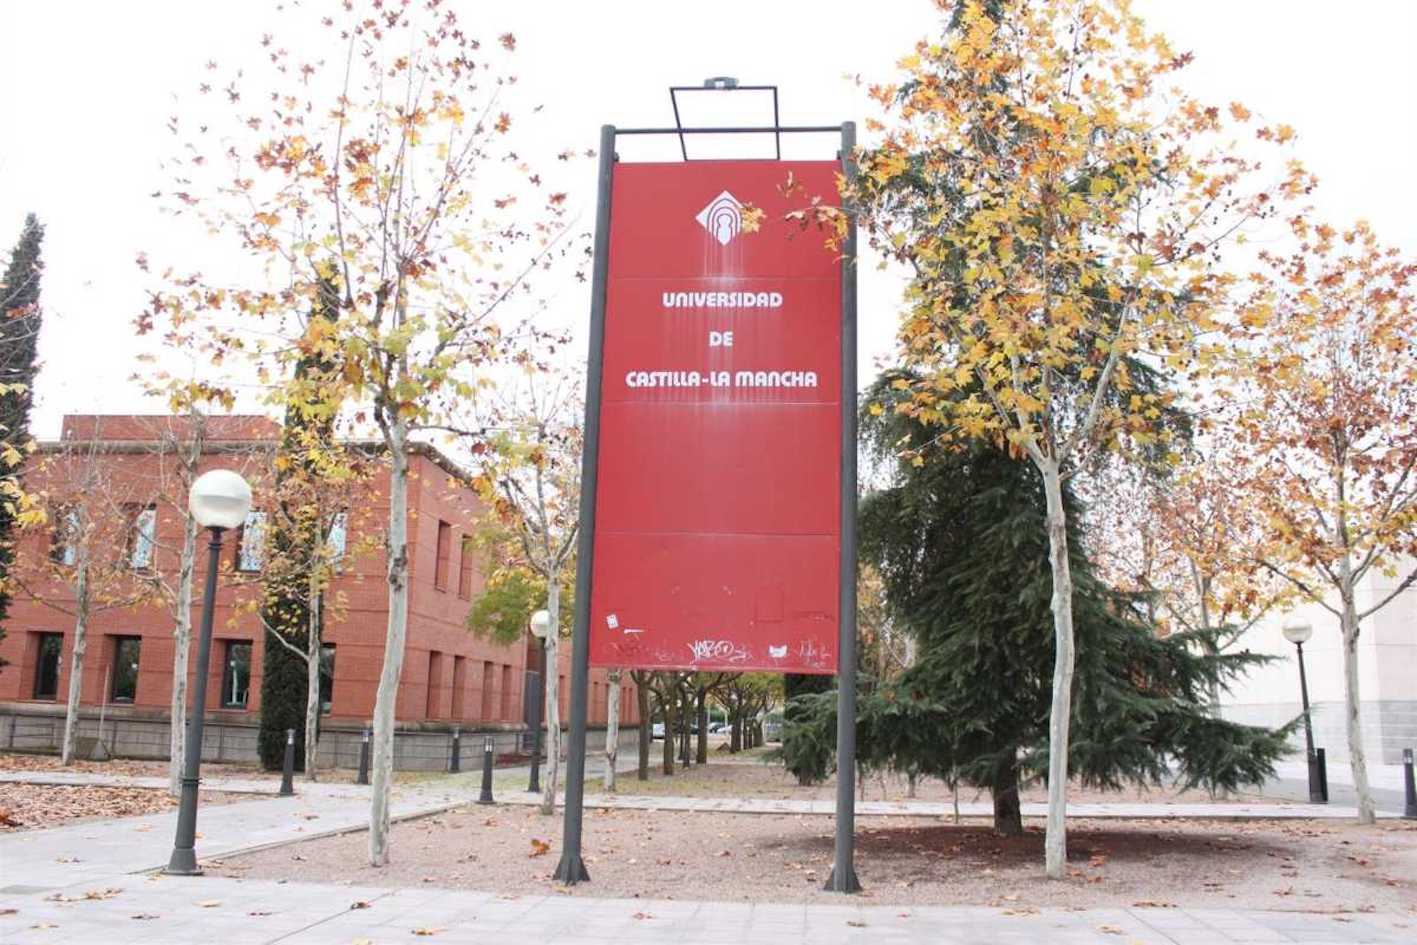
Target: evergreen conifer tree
<point x="961" y="545"/>
<point x="284" y="674"/>
<point x="19" y="337"/>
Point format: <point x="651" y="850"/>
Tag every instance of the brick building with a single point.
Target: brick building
<point x="123" y="471"/>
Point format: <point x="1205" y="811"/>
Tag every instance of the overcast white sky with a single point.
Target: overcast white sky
<point x="86" y="85"/>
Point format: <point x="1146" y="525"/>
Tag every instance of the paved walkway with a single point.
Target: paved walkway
<point x="1121" y="810"/>
<point x="183" y="911"/>
<point x="104" y="851"/>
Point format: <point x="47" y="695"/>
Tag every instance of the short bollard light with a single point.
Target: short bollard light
<point x="363" y="777"/>
<point x="287" y="776"/>
<point x="1409" y="810"/>
<point x="1298" y="633"/>
<point x="488" y="749"/>
<point x="455" y="759"/>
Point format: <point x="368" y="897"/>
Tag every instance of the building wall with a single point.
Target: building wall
<point x="450" y="678"/>
<point x="1387" y="675"/>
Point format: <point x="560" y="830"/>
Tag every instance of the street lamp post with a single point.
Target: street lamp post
<point x="1298" y="634"/>
<point x="540" y="625"/>
<point x="218" y="501"/>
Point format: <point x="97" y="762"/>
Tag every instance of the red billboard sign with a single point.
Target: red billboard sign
<point x="717" y="520"/>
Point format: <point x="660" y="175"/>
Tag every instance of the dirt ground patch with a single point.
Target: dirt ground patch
<point x="911" y="861"/>
<point x="35" y="806"/>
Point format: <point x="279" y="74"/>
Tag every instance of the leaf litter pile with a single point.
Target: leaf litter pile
<point x="1301" y="865"/>
<point x="35" y="806"/>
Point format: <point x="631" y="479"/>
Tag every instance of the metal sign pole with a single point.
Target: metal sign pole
<point x="571" y="869"/>
<point x="843" y="874"/>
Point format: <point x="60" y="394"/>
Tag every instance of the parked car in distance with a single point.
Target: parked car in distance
<point x="657" y="730"/>
<point x="718" y="727"/>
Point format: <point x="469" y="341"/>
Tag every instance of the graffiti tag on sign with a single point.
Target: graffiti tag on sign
<point x="718" y="651"/>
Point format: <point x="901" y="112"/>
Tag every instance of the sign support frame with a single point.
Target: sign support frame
<point x="571" y="868"/>
<point x="843" y="875"/>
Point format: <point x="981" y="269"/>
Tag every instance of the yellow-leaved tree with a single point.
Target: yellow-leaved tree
<point x="1325" y="365"/>
<point x="1061" y="208"/>
<point x="360" y="174"/>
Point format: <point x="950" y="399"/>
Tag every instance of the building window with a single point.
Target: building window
<point x="127" y="652"/>
<point x="445" y="549"/>
<point x="435" y="684"/>
<point x="142" y="537"/>
<point x="507" y="692"/>
<point x="46" y="669"/>
<point x="236" y="677"/>
<point x="485" y="713"/>
<point x="250" y="549"/>
<point x="327" y="677"/>
<point x="459" y="684"/>
<point x="63" y="544"/>
<point x="338" y="538"/>
<point x="465" y="569"/>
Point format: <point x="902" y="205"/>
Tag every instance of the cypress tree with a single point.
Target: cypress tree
<point x="19" y="336"/>
<point x="308" y="423"/>
<point x="961" y="545"/>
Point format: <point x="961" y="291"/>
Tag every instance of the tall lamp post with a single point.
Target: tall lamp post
<point x="218" y="500"/>
<point x="540" y="625"/>
<point x="1298" y="633"/>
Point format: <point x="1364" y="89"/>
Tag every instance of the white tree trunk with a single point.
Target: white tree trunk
<point x="1056" y="841"/>
<point x="312" y="680"/>
<point x="553" y="703"/>
<point x="1357" y="758"/>
<point x="612" y="728"/>
<point x="181" y="648"/>
<point x="387" y="697"/>
<point x="76" y="661"/>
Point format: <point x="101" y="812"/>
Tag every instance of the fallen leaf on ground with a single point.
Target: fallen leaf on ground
<point x="428" y="931"/>
<point x="144" y="915"/>
<point x="209" y="903"/>
<point x="856" y="923"/>
<point x="1153" y="904"/>
<point x="108" y="893"/>
<point x="1110" y="930"/>
<point x="642" y="915"/>
<point x="259" y="914"/>
<point x="359" y="904"/>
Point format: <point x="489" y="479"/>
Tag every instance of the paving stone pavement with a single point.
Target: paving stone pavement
<point x="161" y="910"/>
<point x="47" y="876"/>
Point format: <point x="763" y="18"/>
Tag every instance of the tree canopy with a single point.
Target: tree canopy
<point x="960" y="544"/>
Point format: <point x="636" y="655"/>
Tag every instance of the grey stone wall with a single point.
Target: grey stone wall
<point x="40" y="729"/>
<point x="1388" y="726"/>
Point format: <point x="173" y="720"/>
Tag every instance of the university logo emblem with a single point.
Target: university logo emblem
<point x="723" y="218"/>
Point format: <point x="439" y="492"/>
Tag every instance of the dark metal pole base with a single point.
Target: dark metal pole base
<point x="1318" y="778"/>
<point x="183" y="863"/>
<point x="1409" y="787"/>
<point x="571" y="870"/>
<point x="851" y="884"/>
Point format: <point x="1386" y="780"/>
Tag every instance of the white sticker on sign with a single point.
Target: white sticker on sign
<point x="612" y="622"/>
